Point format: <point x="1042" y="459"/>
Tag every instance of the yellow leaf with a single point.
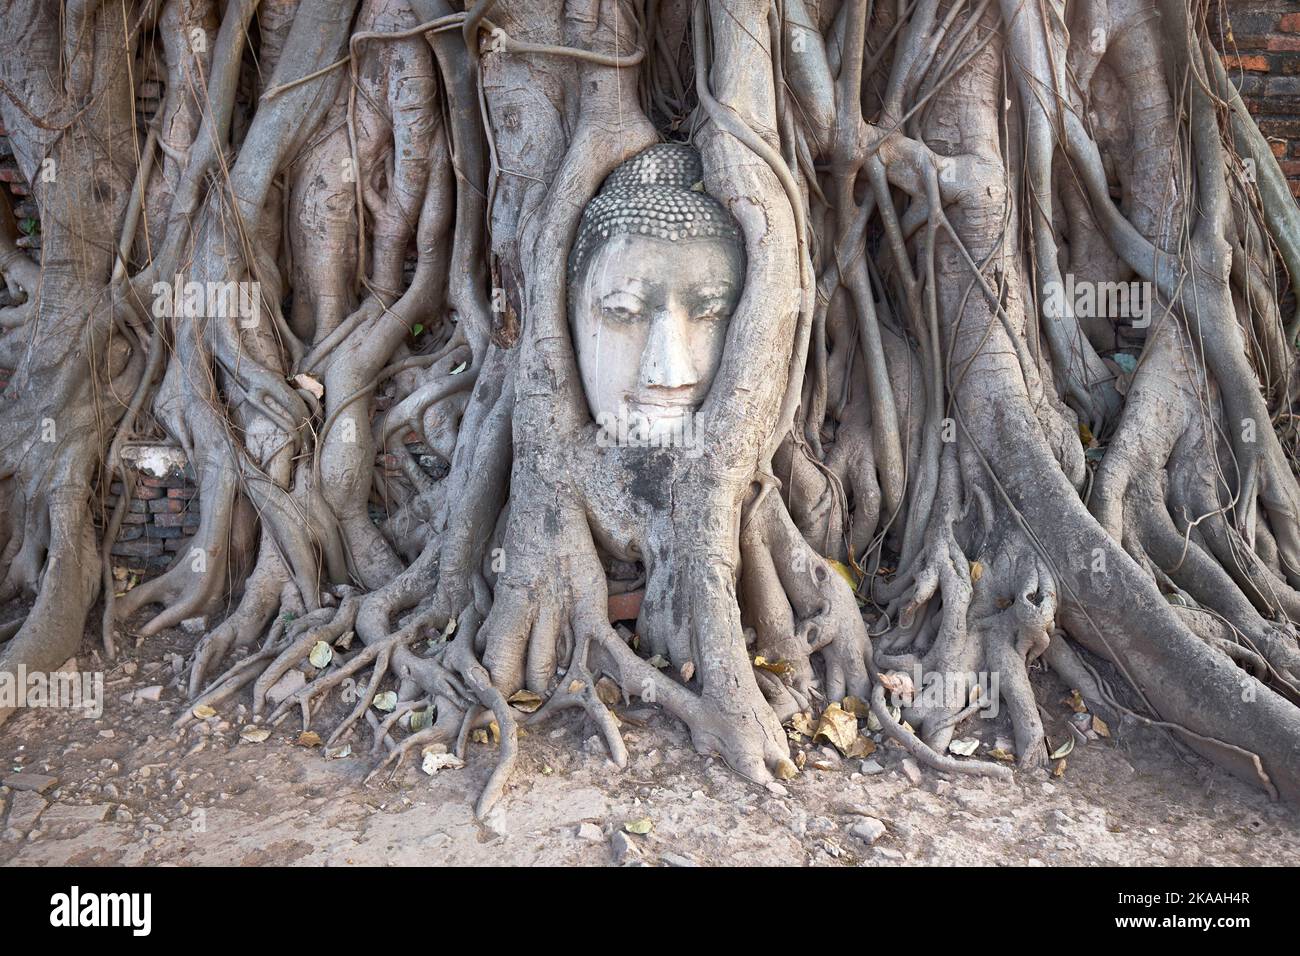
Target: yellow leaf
<point x="640" y="827"/>
<point x="1100" y="727"/>
<point x="802" y="723"/>
<point x="1085" y="435"/>
<point x="203" y="712"/>
<point x="525" y="700"/>
<point x="844" y="571"/>
<point x="786" y="769"/>
<point x="839" y="727"/>
<point x="576" y="686"/>
<point x="997" y="753"/>
<point x="976" y="571"/>
<point x="856" y="706"/>
<point x="308" y="738"/>
<point x="774" y="667"/>
<point x="479" y="736"/>
<point x="862" y="747"/>
<point x="1059" y="769"/>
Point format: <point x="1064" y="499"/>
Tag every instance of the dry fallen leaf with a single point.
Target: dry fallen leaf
<point x="774" y="667"/>
<point x="387" y="701"/>
<point x="856" y="706"/>
<point x="608" y="692"/>
<point x="964" y="748"/>
<point x="321" y="654"/>
<point x="433" y="762"/>
<point x="997" y="753"/>
<point x="688" y="671"/>
<point x="577" y="686"/>
<point x="1076" y="702"/>
<point x="1059" y="769"/>
<point x="309" y="384"/>
<point x="1065" y="748"/>
<point x="802" y="723"/>
<point x="254" y="734"/>
<point x="839" y="727"/>
<point x="308" y="738"/>
<point x="898" y="684"/>
<point x="1100" y="727"/>
<point x="203" y="712"/>
<point x="640" y="827"/>
<point x="862" y="747"/>
<point x="525" y="700"/>
<point x="976" y="571"/>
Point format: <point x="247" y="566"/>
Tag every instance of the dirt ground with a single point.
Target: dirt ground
<point x="131" y="790"/>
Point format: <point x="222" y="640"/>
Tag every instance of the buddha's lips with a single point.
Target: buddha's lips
<point x="660" y="407"/>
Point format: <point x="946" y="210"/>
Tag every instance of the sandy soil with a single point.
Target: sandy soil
<point x="131" y="790"/>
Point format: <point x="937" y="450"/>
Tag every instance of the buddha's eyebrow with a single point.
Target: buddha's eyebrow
<point x="633" y="289"/>
<point x="714" y="290"/>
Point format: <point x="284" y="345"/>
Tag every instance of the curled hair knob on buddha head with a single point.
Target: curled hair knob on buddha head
<point x="657" y="193"/>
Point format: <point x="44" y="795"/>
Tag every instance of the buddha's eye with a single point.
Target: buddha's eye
<point x="712" y="309"/>
<point x="618" y="313"/>
<point x="622" y="308"/>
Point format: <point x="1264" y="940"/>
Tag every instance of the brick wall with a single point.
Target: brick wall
<point x="160" y="519"/>
<point x="1261" y="44"/>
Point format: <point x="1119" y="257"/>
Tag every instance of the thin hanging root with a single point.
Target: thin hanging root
<point x="919" y="749"/>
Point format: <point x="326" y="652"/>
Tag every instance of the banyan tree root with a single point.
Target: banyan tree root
<point x="919" y="403"/>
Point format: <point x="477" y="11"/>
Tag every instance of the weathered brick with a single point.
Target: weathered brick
<point x="138" y="549"/>
<point x="165" y="505"/>
<point x="1247" y="61"/>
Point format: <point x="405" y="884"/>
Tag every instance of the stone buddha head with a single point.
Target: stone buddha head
<point x="655" y="273"/>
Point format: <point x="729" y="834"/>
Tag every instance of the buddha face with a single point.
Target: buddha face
<point x="649" y="321"/>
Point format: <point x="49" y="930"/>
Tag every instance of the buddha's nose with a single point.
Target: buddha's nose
<point x="667" y="362"/>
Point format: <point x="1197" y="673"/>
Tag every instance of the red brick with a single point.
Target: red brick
<point x="1290" y="23"/>
<point x="625" y="607"/>
<point x="1250" y="61"/>
<point x="1278" y="44"/>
